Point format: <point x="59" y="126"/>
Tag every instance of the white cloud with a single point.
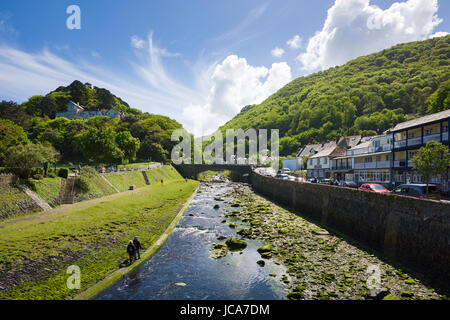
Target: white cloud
<point x="355" y="27"/>
<point x="216" y="93"/>
<point x="277" y="52"/>
<point x="137" y="42"/>
<point x="234" y="84"/>
<point x="295" y="42"/>
<point x="439" y="34"/>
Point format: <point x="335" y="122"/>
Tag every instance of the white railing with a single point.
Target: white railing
<point x="432" y="137"/>
<point x="373" y="165"/>
<point x="400" y="144"/>
<point x="383" y="164"/>
<point x="400" y="163"/>
<point x="359" y="166"/>
<point x="414" y="141"/>
<point x="386" y="147"/>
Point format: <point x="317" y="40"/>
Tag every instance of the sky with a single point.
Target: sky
<point x="200" y="61"/>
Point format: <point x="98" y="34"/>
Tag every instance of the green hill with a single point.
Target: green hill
<point x="136" y="135"/>
<point x="366" y="95"/>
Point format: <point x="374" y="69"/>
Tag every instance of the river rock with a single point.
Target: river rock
<point x="218" y="250"/>
<point x="244" y="232"/>
<point x="235" y="244"/>
<point x="377" y="293"/>
<point x="266" y="248"/>
<point x="261" y="263"/>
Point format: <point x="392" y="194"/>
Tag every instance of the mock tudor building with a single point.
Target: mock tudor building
<point x="369" y="161"/>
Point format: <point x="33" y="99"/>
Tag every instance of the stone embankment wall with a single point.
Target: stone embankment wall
<point x="6" y="179"/>
<point x="410" y="231"/>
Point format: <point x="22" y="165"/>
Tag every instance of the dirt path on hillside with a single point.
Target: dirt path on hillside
<point x="65" y="208"/>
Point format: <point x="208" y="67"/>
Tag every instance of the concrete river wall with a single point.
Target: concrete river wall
<point x="410" y="231"/>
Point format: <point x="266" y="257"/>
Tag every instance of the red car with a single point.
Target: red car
<point x="374" y="187"/>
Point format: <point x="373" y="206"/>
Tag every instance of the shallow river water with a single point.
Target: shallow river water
<point x="182" y="267"/>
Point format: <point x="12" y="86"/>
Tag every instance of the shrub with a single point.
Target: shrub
<point x="88" y="171"/>
<point x="82" y="184"/>
<point x="63" y="173"/>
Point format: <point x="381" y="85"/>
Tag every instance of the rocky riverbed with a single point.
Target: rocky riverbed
<point x="320" y="265"/>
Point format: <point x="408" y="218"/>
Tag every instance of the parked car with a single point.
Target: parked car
<point x="313" y="180"/>
<point x="291" y="178"/>
<point x="348" y="184"/>
<point x="282" y="176"/>
<point x="374" y="187"/>
<point x="300" y="179"/>
<point x="327" y="182"/>
<point x="418" y="191"/>
<point x="286" y="170"/>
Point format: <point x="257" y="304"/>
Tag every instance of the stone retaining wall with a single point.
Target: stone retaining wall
<point x="6" y="179"/>
<point x="413" y="232"/>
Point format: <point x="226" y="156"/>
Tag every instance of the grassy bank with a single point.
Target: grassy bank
<point x="122" y="181"/>
<point x="34" y="254"/>
<point x="48" y="189"/>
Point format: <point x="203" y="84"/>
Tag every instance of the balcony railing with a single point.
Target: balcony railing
<point x="432" y="137"/>
<point x="414" y="141"/>
<point x="400" y="144"/>
<point x="373" y="165"/>
<point x="418" y="140"/>
<point x="386" y="147"/>
<point x="344" y="167"/>
<point x="400" y="164"/>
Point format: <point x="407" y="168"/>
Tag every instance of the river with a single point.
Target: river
<point x="182" y="268"/>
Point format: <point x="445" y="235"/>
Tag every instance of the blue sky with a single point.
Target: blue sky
<point x="198" y="61"/>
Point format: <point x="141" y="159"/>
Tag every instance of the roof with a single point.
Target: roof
<point x="363" y="155"/>
<point x="333" y="151"/>
<point x="351" y="141"/>
<point x="422" y="120"/>
<point x="306" y="151"/>
<point x="362" y="145"/>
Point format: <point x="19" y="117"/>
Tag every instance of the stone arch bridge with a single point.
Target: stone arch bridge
<point x="192" y="170"/>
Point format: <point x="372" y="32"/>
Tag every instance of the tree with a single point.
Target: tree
<point x="128" y="145"/>
<point x="432" y="160"/>
<point x="10" y="135"/>
<point x="100" y="145"/>
<point x="440" y="100"/>
<point x="24" y="157"/>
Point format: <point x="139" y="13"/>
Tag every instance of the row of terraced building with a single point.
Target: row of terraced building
<point x="384" y="159"/>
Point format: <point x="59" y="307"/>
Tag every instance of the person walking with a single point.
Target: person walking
<point x="138" y="246"/>
<point x="131" y="250"/>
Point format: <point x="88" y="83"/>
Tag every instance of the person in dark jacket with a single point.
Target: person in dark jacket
<point x="138" y="246"/>
<point x="131" y="250"/>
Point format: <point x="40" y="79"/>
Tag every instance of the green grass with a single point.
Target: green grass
<point x="136" y="165"/>
<point x="98" y="188"/>
<point x="93" y="237"/>
<point x="122" y="181"/>
<point x="48" y="189"/>
<point x="165" y="173"/>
